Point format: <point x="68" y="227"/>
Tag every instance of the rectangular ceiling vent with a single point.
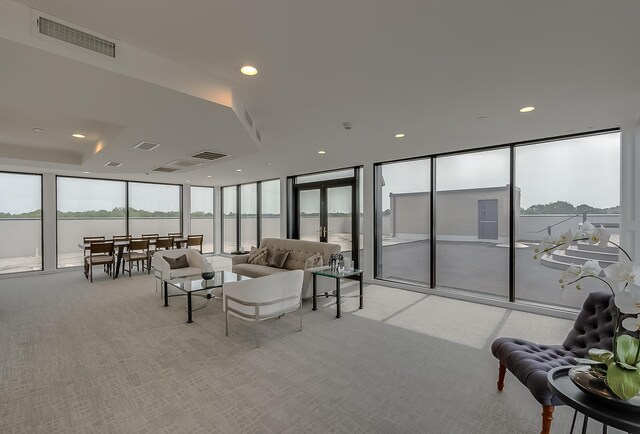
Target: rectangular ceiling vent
<point x="113" y="164"/>
<point x="76" y="37"/>
<point x="248" y="118"/>
<point x="164" y="169"/>
<point x="183" y="164"/>
<point x="208" y="155"/>
<point x="146" y="146"/>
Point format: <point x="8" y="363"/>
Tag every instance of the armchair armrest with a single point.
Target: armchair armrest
<point x="239" y="259"/>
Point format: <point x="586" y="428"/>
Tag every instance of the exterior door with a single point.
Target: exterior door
<point x="488" y="219"/>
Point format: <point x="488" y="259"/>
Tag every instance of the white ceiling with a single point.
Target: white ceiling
<point x="427" y="68"/>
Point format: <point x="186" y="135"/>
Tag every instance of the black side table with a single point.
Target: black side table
<point x="590" y="406"/>
<point x="337" y="275"/>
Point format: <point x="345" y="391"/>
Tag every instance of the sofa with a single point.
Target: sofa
<point x="300" y="251"/>
<point x="164" y="272"/>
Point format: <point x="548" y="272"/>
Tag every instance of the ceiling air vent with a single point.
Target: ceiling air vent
<point x="248" y="118"/>
<point x="208" y="155"/>
<point x="113" y="164"/>
<point x="146" y="146"/>
<point x="76" y="37"/>
<point x="164" y="169"/>
<point x="183" y="164"/>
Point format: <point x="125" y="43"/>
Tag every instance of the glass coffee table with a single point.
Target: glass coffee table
<point x="196" y="284"/>
<point x="337" y="275"/>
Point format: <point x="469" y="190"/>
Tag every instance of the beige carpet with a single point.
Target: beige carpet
<point x="108" y="357"/>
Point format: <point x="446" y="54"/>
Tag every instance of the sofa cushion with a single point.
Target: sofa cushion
<point x="176" y="263"/>
<point x="184" y="272"/>
<point x="313" y="261"/>
<point x="277" y="257"/>
<point x="253" y="270"/>
<point x="258" y="256"/>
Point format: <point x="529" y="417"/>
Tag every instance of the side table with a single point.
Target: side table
<point x="337" y="275"/>
<point x="590" y="406"/>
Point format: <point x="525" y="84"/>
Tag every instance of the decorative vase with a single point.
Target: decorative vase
<point x="593" y="382"/>
<point x="208" y="275"/>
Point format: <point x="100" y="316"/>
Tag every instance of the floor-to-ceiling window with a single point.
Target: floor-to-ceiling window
<point x="403" y="196"/>
<point x="248" y="215"/>
<point x="154" y="208"/>
<point x="559" y="184"/>
<point x="87" y="207"/>
<point x="270" y="209"/>
<point x="20" y="222"/>
<point x="472" y="221"/>
<point x="229" y="219"/>
<point x="202" y="220"/>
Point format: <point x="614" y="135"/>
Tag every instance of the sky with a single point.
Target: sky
<point x="580" y="170"/>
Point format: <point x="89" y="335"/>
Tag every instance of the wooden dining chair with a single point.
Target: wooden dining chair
<point x="164" y="243"/>
<point x="150" y="235"/>
<point x="100" y="253"/>
<point x="86" y="241"/>
<point x="121" y="237"/>
<point x="175" y="234"/>
<point x="138" y="251"/>
<point x="195" y="240"/>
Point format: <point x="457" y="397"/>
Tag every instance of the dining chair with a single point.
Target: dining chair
<point x="137" y="251"/>
<point x="164" y="243"/>
<point x="86" y="241"/>
<point x="100" y="253"/>
<point x="195" y="240"/>
<point x="121" y="237"/>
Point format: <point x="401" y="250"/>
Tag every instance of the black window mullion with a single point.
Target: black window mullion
<point x="432" y="226"/>
<point x="512" y="225"/>
<point x="238" y="211"/>
<point x="259" y="212"/>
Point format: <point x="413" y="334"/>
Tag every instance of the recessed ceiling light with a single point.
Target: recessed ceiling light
<point x="399" y="135"/>
<point x="238" y="170"/>
<point x="269" y="164"/>
<point x="527" y="109"/>
<point x="78" y="135"/>
<point x="209" y="176"/>
<point x="249" y="70"/>
<point x="86" y="173"/>
<point x="322" y="152"/>
<point x="38" y="130"/>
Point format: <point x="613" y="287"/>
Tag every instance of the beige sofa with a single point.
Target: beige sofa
<point x="300" y="251"/>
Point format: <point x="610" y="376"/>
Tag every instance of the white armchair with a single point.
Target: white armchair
<point x="263" y="298"/>
<point x="164" y="272"/>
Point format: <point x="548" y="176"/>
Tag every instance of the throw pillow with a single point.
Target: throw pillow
<point x="260" y="258"/>
<point x="179" y="262"/>
<point x="278" y="258"/>
<point x="313" y="261"/>
<point x="252" y="254"/>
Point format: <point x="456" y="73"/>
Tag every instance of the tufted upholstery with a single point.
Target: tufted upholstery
<point x="530" y="362"/>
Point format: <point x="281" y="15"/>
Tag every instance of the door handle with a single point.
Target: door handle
<point x="324" y="231"/>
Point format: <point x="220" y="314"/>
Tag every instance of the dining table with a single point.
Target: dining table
<point x="119" y="245"/>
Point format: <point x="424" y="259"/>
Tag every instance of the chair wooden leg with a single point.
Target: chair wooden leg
<point x="547" y="417"/>
<point x="502" y="370"/>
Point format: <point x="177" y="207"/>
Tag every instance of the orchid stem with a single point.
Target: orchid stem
<point x="623" y="250"/>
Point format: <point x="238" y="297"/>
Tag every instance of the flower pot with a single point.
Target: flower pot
<point x="593" y="383"/>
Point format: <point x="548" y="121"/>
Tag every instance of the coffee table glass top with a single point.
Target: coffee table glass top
<point x="327" y="272"/>
<point x="197" y="283"/>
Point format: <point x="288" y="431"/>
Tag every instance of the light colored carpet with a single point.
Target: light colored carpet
<point x="108" y="357"/>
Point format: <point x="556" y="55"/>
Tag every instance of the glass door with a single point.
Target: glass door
<point x="310" y="227"/>
<point x="339" y="218"/>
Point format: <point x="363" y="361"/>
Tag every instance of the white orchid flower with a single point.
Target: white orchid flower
<point x="623" y="273"/>
<point x="565" y="239"/>
<point x="544" y="245"/>
<point x="631" y="324"/>
<point x="587" y="228"/>
<point x="591" y="268"/>
<point x="570" y="274"/>
<point x="628" y="301"/>
<point x="600" y="236"/>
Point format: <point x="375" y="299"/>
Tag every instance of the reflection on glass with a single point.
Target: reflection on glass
<point x="202" y="216"/>
<point x="154" y="208"/>
<point x="562" y="183"/>
<point x="20" y="222"/>
<point x="310" y="215"/>
<point x="248" y="216"/>
<point x="229" y="224"/>
<point x="339" y="218"/>
<point x="402" y="219"/>
<point x="472" y="221"/>
<point x="271" y="209"/>
<point x="87" y="207"/>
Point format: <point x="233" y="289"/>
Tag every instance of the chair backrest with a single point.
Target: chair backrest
<point x="89" y="239"/>
<point x="164" y="243"/>
<point x="594" y="326"/>
<point x="139" y="244"/>
<point x="101" y="247"/>
<point x="175" y="234"/>
<point x="194" y="240"/>
<point x="121" y="237"/>
<point x="150" y="235"/>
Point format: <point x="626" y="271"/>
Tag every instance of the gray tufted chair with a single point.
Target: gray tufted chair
<point x="531" y="362"/>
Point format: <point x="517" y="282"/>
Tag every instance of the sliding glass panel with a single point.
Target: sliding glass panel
<point x="403" y="221"/>
<point x="310" y="229"/>
<point x="202" y="216"/>
<point x="472" y="222"/>
<point x="248" y="216"/>
<point x="339" y="213"/>
<point x="271" y="209"/>
<point x="229" y="224"/>
<point x="87" y="208"/>
<point x="154" y="209"/>
<point x="20" y="222"/>
<point x="561" y="184"/>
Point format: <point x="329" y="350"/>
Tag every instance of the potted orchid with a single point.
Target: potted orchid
<point x="621" y="366"/>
